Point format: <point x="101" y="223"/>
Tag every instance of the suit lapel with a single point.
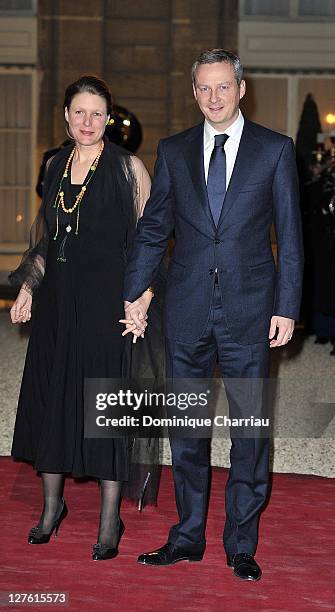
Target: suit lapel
<point x="194" y="155"/>
<point x="247" y="157"/>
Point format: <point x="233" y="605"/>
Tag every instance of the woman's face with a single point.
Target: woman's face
<point x="87" y="118"/>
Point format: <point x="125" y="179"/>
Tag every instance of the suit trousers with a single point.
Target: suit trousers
<point x="247" y="485"/>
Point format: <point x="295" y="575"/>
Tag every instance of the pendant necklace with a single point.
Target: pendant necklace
<point x="60" y="200"/>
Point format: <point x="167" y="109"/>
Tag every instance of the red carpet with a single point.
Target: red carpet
<point x="296" y="550"/>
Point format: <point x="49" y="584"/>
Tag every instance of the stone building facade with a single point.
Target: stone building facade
<point x="143" y="48"/>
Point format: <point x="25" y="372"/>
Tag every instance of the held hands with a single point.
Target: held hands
<point x="20" y="312"/>
<point x="136" y="315"/>
<point x="285" y="330"/>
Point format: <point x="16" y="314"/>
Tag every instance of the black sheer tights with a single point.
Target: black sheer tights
<point x="109" y="515"/>
<point x="53" y="485"/>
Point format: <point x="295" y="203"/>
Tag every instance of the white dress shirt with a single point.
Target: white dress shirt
<point x="234" y="132"/>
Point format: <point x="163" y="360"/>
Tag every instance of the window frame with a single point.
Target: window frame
<point x="20" y="247"/>
<point x="293" y="15"/>
<point x="293" y="113"/>
<point x="20" y="12"/>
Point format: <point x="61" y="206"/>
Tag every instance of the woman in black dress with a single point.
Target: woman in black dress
<point x="93" y="192"/>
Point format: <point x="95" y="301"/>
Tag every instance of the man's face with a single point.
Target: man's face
<point x="218" y="94"/>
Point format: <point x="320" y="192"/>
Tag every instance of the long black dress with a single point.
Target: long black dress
<point x="75" y="330"/>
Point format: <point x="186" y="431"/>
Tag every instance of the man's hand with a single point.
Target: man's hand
<point x="136" y="315"/>
<point x="20" y="312"/>
<point x="285" y="330"/>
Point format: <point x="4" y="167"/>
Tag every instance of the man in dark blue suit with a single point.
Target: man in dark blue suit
<point x="219" y="186"/>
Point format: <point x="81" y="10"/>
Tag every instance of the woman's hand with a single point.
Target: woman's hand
<point x="136" y="315"/>
<point x="20" y="312"/>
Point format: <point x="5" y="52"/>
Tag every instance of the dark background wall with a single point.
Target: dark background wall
<point x="143" y="48"/>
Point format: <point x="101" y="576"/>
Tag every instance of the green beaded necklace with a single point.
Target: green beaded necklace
<point x="59" y="201"/>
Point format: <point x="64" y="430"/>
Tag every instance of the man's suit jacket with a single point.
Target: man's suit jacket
<point x="263" y="190"/>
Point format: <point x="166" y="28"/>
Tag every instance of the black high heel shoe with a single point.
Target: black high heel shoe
<point x="36" y="536"/>
<point x="101" y="552"/>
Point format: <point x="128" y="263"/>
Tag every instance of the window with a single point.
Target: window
<point x="16" y="159"/>
<point x="266" y="101"/>
<point x="276" y="99"/>
<point x="18" y="7"/>
<point x="267" y="7"/>
<point x="287" y="10"/>
<point x="321" y="8"/>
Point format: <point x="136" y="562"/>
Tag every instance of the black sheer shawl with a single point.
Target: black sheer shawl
<point x="129" y="190"/>
<point x="30" y="272"/>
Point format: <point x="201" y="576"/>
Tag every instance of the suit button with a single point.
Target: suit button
<point x="217" y="241"/>
<point x="211" y="271"/>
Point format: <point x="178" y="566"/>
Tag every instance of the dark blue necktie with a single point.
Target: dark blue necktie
<point x="216" y="180"/>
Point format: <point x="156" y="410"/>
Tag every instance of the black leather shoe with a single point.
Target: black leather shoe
<point x="168" y="555"/>
<point x="36" y="535"/>
<point x="102" y="552"/>
<point x="245" y="566"/>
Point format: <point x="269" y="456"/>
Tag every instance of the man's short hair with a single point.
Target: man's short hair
<point x="213" y="56"/>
